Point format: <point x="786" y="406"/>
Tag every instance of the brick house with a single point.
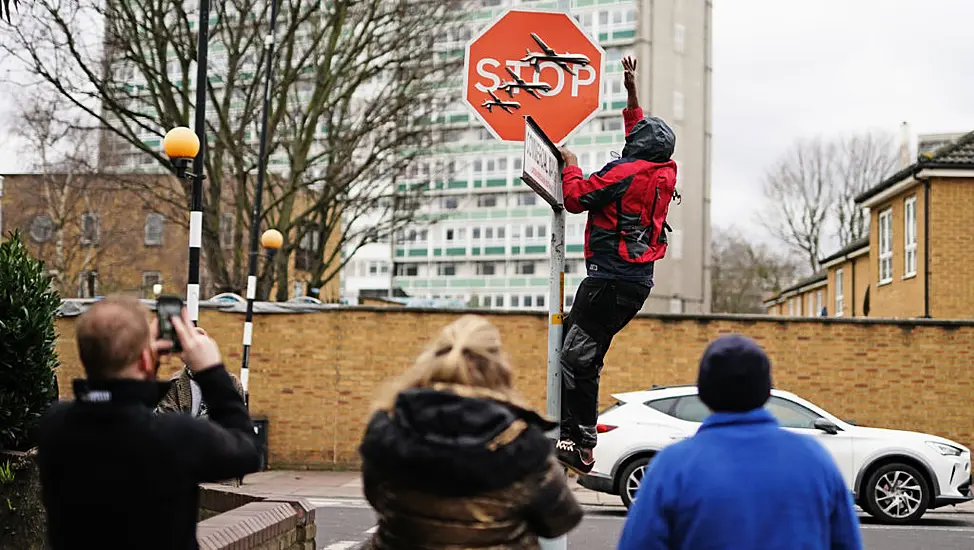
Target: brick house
<point x="915" y="261"/>
<point x="105" y="234"/>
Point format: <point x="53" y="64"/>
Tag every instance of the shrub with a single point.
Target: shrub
<point x="28" y="359"/>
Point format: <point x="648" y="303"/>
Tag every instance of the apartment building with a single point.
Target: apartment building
<point x="915" y="261"/>
<point x="489" y="245"/>
<point x="102" y="234"/>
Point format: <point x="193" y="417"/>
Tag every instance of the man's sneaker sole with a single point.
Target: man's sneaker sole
<point x="575" y="469"/>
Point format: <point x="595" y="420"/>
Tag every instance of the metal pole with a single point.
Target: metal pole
<point x="196" y="204"/>
<point x="258" y="200"/>
<point x="556" y="313"/>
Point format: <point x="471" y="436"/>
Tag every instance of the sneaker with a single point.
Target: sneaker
<point x="573" y="457"/>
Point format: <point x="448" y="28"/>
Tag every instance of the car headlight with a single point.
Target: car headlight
<point x="944" y="449"/>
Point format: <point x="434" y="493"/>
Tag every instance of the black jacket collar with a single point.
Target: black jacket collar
<point x="120" y="391"/>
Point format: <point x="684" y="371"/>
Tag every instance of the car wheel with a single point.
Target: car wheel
<point x="896" y="493"/>
<point x="631" y="479"/>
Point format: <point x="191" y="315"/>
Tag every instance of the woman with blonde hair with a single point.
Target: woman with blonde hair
<point x="452" y="459"/>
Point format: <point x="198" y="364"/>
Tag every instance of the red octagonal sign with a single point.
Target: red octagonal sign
<point x="533" y="63"/>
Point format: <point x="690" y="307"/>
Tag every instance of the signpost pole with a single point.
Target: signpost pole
<point x="542" y="172"/>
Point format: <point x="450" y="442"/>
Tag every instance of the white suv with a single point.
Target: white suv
<point x="895" y="476"/>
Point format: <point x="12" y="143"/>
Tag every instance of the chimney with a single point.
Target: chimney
<point x="905" y="159"/>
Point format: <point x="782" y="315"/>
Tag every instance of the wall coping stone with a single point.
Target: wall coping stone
<point x="248" y="520"/>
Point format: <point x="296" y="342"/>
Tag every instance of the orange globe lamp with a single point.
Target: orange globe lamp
<point x="181" y="143"/>
<point x="272" y="239"/>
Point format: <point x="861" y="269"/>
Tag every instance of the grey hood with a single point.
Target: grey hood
<point x="651" y="140"/>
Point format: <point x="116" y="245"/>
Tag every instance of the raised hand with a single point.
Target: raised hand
<point x="200" y="352"/>
<point x="629" y="78"/>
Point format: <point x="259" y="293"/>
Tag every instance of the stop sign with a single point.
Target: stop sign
<point x="533" y="63"/>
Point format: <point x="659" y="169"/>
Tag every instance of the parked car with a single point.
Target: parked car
<point x="895" y="476"/>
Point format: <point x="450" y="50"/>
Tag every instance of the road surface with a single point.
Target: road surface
<point x="344" y="523"/>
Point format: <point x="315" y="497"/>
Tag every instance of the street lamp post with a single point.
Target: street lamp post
<point x="182" y="145"/>
<point x="271" y="240"/>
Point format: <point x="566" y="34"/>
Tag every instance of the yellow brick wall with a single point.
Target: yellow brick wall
<point x="951" y="248"/>
<point x="903" y="297"/>
<point x="313" y="375"/>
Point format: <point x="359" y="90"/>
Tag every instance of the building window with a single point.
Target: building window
<point x="499" y="301"/>
<point x="791" y="307"/>
<point x="839" y="293"/>
<point x="526" y="199"/>
<point x="515" y="301"/>
<point x="154" y="224"/>
<point x="886" y="246"/>
<point x="446" y="270"/>
<point x="818" y="303"/>
<point x="487" y="268"/>
<point x="679" y="38"/>
<point x="487" y="301"/>
<point x="41" y="228"/>
<point x="304" y="256"/>
<point x="528" y="301"/>
<point x="487" y="201"/>
<point x="524" y="268"/>
<point x="450" y="203"/>
<point x="455" y="234"/>
<point x="90" y="230"/>
<point x="88" y="284"/>
<point x="300" y="289"/>
<point x="676" y="305"/>
<point x="539" y="300"/>
<point x="149" y="280"/>
<point x="226" y="231"/>
<point x="810" y="309"/>
<point x="407" y="270"/>
<point x="910" y="236"/>
<point x="678" y="105"/>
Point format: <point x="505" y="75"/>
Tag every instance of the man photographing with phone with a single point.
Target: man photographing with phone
<point x="113" y="473"/>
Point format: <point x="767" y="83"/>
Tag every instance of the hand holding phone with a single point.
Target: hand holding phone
<point x="168" y="307"/>
<point x="200" y="352"/>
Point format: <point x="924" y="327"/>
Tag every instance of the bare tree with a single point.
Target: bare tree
<point x="356" y="83"/>
<point x="864" y="161"/>
<point x="69" y="223"/>
<point x="799" y="189"/>
<point x="744" y="272"/>
<point x="810" y="191"/>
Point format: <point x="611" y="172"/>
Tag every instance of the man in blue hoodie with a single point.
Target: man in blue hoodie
<point x="742" y="482"/>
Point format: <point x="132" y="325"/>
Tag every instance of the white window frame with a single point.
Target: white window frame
<point x="839" y="293"/>
<point x="819" y="299"/>
<point x="679" y="106"/>
<point x="885" y="223"/>
<point x="791" y="307"/>
<point x="679" y="38"/>
<point x="97" y="229"/>
<point x="150" y="220"/>
<point x="809" y="308"/>
<point x="910" y="236"/>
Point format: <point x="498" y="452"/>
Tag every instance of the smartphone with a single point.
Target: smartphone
<point x="168" y="307"/>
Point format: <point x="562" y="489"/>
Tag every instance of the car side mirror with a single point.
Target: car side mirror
<point x="825" y="426"/>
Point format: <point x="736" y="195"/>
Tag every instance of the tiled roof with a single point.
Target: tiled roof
<point x="847" y="249"/>
<point x="956" y="154"/>
<point x="816" y="278"/>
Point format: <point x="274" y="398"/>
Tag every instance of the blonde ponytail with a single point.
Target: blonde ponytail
<point x="467" y="353"/>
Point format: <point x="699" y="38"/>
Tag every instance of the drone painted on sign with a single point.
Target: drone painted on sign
<point x="534" y="60"/>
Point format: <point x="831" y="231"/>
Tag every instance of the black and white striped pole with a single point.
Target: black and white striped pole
<point x="182" y="146"/>
<point x="271" y="239"/>
<point x="178" y="145"/>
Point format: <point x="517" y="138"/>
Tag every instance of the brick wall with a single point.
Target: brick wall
<point x="233" y="519"/>
<point x="313" y="375"/>
<point x="951" y="246"/>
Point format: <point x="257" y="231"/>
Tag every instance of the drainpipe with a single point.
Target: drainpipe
<point x="926" y="247"/>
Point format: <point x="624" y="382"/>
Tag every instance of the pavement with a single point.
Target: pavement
<point x="345" y="519"/>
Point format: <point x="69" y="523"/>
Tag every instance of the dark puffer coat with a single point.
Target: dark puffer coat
<point x="451" y="468"/>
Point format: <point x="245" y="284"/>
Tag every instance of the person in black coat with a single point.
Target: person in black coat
<point x="115" y="475"/>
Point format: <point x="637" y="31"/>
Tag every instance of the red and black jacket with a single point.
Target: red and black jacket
<point x="627" y="202"/>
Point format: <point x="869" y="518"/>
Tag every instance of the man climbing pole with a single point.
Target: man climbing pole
<point x="627" y="202"/>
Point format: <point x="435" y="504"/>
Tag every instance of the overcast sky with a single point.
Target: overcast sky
<point x="787" y="69"/>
